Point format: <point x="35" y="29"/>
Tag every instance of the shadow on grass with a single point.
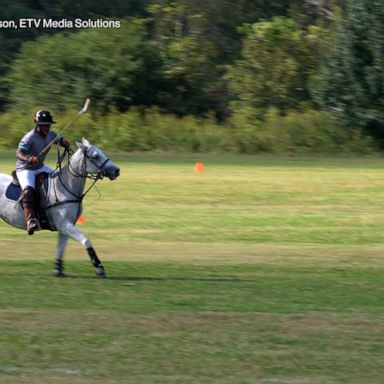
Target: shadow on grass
<point x="163" y="278"/>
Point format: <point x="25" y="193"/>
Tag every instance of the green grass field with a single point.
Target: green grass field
<point x="258" y="270"/>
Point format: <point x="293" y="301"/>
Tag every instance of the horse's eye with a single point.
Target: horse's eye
<point x="94" y="155"/>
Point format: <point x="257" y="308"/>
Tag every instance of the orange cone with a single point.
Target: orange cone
<point x="80" y="220"/>
<point x="199" y="167"/>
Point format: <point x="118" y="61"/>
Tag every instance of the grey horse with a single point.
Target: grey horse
<point x="63" y="201"/>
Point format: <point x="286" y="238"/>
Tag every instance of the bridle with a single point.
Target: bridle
<point x="94" y="176"/>
<point x="98" y="175"/>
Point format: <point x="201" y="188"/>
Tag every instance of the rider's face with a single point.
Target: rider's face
<point x="44" y="129"/>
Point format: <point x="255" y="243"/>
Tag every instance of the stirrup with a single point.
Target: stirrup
<point x="32" y="226"/>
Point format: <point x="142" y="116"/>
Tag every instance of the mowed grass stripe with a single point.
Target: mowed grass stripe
<point x="260" y="202"/>
<point x="172" y="287"/>
<point x="203" y="347"/>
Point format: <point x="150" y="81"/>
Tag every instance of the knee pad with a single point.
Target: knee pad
<point x="29" y="197"/>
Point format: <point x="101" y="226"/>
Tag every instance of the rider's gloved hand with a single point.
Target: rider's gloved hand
<point x="65" y="143"/>
<point x="32" y="160"/>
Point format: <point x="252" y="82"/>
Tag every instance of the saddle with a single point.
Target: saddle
<point x="14" y="192"/>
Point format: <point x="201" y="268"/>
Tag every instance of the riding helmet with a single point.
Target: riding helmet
<point x="43" y="118"/>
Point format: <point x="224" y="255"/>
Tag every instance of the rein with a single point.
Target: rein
<point x="67" y="153"/>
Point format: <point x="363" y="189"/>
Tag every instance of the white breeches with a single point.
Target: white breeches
<point x="27" y="177"/>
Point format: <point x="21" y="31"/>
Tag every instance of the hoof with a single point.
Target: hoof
<point x="58" y="273"/>
<point x="100" y="272"/>
<point x="58" y="270"/>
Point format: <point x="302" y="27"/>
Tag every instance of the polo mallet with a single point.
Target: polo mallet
<point x="82" y="111"/>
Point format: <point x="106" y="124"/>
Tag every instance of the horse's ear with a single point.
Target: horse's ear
<point x="85" y="142"/>
<point x="80" y="145"/>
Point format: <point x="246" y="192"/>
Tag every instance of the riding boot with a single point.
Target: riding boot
<point x="29" y="205"/>
<point x="31" y="220"/>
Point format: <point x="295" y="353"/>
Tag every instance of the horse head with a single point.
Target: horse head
<point x="97" y="162"/>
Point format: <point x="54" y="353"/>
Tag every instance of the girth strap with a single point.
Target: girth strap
<point x="62" y="202"/>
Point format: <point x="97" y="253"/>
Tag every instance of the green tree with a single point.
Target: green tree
<point x="116" y="67"/>
<point x="190" y="61"/>
<point x="277" y="61"/>
<point x="351" y="78"/>
<point x="197" y="39"/>
<point x="12" y="39"/>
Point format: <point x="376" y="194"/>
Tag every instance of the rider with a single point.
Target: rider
<point x="31" y="162"/>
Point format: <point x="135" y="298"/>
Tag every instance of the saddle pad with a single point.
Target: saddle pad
<point x="13" y="191"/>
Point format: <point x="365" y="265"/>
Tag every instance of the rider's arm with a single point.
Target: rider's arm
<point x="22" y="155"/>
<point x="60" y="140"/>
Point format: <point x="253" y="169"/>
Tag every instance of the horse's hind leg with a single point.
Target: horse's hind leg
<point x="58" y="269"/>
<point x="77" y="235"/>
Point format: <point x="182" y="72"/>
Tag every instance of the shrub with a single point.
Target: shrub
<point x="300" y="132"/>
<point x="151" y="130"/>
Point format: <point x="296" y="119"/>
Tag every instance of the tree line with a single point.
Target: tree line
<point x="246" y="76"/>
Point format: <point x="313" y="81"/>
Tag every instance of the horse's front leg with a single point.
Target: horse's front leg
<point x="58" y="269"/>
<point x="79" y="236"/>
